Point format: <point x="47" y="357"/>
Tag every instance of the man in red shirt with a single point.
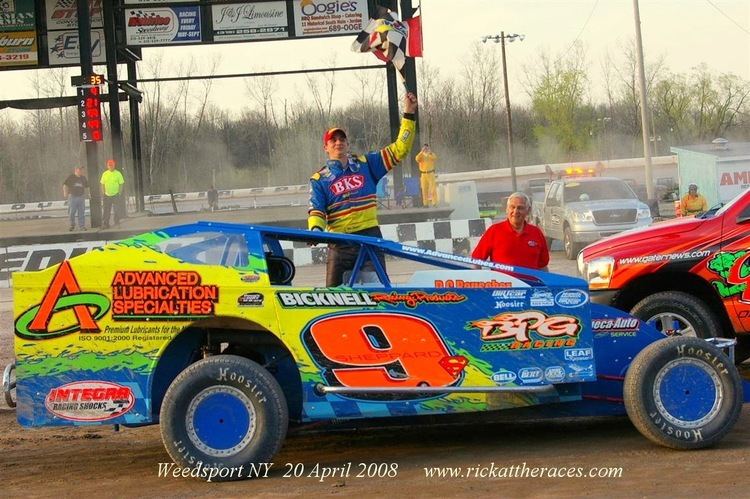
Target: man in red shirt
<point x="514" y="241"/>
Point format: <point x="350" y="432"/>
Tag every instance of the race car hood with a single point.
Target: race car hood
<point x="661" y="233"/>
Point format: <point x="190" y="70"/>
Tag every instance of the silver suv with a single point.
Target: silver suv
<point x="582" y="210"/>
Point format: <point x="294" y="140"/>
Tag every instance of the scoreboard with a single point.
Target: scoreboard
<point x="90" y="108"/>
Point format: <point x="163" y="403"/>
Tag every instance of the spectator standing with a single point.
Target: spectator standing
<point x="426" y="160"/>
<point x="213" y="199"/>
<point x="514" y="241"/>
<point x="343" y="193"/>
<point x="692" y="203"/>
<point x="111" y="185"/>
<point x="74" y="190"/>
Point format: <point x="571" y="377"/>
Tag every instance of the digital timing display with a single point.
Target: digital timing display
<point x="90" y="109"/>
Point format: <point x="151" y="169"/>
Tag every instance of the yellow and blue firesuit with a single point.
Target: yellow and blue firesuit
<point x="343" y="197"/>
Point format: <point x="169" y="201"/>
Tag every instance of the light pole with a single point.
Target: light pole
<point x="511" y="37"/>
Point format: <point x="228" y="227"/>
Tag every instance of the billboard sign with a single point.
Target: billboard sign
<point x="63" y="47"/>
<point x="250" y="21"/>
<point x="18" y="48"/>
<point x="329" y="17"/>
<point x="17" y="15"/>
<point x="63" y="14"/>
<point x="163" y="25"/>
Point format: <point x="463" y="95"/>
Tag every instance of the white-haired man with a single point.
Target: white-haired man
<point x="514" y="241"/>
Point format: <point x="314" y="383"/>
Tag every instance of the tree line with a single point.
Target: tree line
<point x="188" y="143"/>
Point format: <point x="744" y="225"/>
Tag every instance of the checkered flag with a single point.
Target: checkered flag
<point x="391" y="40"/>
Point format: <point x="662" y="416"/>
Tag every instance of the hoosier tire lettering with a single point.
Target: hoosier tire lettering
<point x="683" y="393"/>
<point x="224" y="412"/>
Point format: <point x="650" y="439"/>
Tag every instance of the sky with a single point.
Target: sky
<point x="685" y="32"/>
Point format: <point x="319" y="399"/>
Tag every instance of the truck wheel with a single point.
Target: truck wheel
<point x="571" y="247"/>
<point x="221" y="413"/>
<point x="675" y="313"/>
<point x="683" y="393"/>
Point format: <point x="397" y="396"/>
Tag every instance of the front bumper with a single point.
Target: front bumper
<point x="589" y="232"/>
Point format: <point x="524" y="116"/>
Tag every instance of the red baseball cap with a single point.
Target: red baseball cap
<point x="331" y="132"/>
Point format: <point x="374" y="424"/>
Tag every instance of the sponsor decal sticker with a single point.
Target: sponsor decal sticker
<point x="578" y="371"/>
<point x="325" y="299"/>
<point x="454" y="364"/>
<point x="571" y="298"/>
<point x="542" y="298"/>
<point x="460" y="283"/>
<point x="89" y="401"/>
<point x="510" y="294"/>
<point x="414" y="298"/>
<point x="62" y="294"/>
<point x="254" y="277"/>
<point x="347" y="184"/>
<point x="250" y="300"/>
<point x="530" y="375"/>
<point x="504" y="377"/>
<point x="574" y="354"/>
<point x="734" y="269"/>
<point x="164" y="294"/>
<point x="527" y="330"/>
<point x="554" y="374"/>
<point x="616" y="326"/>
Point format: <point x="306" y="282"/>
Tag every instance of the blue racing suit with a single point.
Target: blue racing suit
<point x="343" y="197"/>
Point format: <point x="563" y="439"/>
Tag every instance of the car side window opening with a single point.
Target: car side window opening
<point x="208" y="248"/>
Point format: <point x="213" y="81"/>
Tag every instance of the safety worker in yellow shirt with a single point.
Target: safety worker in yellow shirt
<point x="426" y="160"/>
<point x="692" y="203"/>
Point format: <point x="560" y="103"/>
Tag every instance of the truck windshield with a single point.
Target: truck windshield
<point x="597" y="191"/>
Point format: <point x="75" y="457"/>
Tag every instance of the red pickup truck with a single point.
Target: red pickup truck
<point x="687" y="276"/>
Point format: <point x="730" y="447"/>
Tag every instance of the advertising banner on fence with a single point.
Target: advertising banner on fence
<point x="329" y="17"/>
<point x="163" y="26"/>
<point x="63" y="14"/>
<point x="18" y="48"/>
<point x="17" y="15"/>
<point x="39" y="256"/>
<point x="63" y="47"/>
<point x="249" y="21"/>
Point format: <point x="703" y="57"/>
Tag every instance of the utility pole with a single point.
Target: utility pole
<point x="508" y="118"/>
<point x="501" y="39"/>
<point x="644" y="104"/>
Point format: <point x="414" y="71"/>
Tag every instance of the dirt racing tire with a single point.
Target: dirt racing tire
<point x="688" y="315"/>
<point x="571" y="247"/>
<point x="683" y="393"/>
<point x="221" y="413"/>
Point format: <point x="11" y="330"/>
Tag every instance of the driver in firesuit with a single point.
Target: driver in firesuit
<point x="343" y="193"/>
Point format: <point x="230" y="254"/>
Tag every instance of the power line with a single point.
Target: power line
<point x="591" y="13"/>
<point x="728" y="17"/>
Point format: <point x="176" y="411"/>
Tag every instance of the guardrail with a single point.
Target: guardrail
<point x="490" y="180"/>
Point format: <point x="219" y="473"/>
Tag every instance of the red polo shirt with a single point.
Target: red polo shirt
<point x="502" y="244"/>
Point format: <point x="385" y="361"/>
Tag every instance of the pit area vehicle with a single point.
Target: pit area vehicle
<point x="580" y="210"/>
<point x="687" y="276"/>
<point x="213" y="331"/>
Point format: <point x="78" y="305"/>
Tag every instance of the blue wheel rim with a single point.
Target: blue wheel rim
<point x="221" y="421"/>
<point x="688" y="393"/>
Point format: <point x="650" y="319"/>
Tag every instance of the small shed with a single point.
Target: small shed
<point x="721" y="169"/>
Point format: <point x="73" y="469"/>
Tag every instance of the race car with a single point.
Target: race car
<point x="221" y="334"/>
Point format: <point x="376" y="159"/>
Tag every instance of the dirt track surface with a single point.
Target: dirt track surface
<point x="50" y="461"/>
